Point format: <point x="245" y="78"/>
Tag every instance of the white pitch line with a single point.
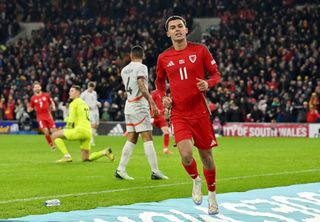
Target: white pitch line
<point x="155" y="186"/>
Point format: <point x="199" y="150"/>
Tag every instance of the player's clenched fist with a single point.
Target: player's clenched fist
<point x="202" y="85"/>
<point x="154" y="110"/>
<point x="167" y="102"/>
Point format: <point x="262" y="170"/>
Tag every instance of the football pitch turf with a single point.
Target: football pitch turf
<point x="29" y="174"/>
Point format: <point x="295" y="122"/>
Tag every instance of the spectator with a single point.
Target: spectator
<point x="9" y="109"/>
<point x="2" y="108"/>
<point x="19" y="109"/>
<point x="105" y="111"/>
<point x="313" y="116"/>
<point x="314" y="101"/>
<point x="256" y="115"/>
<point x="302" y="113"/>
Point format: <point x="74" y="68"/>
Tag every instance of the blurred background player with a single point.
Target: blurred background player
<point x="42" y="103"/>
<point x="137" y="114"/>
<point x="91" y="98"/>
<point x="161" y="122"/>
<point x="184" y="65"/>
<point x="78" y="128"/>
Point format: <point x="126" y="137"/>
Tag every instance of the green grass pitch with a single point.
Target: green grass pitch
<point x="29" y="174"/>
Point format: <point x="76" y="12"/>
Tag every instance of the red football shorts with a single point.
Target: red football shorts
<point x="200" y="130"/>
<point x="159" y="122"/>
<point x="46" y="123"/>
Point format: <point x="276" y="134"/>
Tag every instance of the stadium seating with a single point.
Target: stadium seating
<point x="267" y="53"/>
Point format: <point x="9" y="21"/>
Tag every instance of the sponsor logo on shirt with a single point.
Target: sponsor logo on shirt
<point x="170" y="64"/>
<point x="192" y="58"/>
<point x="213" y="62"/>
<point x="181" y="61"/>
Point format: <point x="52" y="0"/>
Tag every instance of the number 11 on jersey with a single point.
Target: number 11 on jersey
<point x="183" y="73"/>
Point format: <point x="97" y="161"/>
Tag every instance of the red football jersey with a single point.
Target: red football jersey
<point x="182" y="68"/>
<point x="158" y="101"/>
<point x="41" y="103"/>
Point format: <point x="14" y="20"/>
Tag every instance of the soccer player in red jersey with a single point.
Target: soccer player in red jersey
<point x="160" y="122"/>
<point x="42" y="103"/>
<point x="184" y="64"/>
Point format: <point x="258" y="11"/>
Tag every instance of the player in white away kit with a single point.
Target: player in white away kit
<point x="91" y="98"/>
<point x="137" y="115"/>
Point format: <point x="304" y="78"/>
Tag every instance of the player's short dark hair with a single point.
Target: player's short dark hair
<point x="36" y="83"/>
<point x="137" y="52"/>
<point x="76" y="87"/>
<point x="174" y="17"/>
<point x="91" y="84"/>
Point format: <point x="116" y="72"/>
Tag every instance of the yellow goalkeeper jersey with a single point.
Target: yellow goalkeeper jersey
<point x="79" y="114"/>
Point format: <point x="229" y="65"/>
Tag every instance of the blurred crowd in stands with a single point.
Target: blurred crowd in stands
<point x="9" y="25"/>
<point x="267" y="52"/>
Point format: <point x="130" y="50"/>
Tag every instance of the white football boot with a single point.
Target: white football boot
<point x="196" y="191"/>
<point x="212" y="203"/>
<point x="122" y="175"/>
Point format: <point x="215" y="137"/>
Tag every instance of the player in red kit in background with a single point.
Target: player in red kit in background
<point x="42" y="103"/>
<point x="160" y="122"/>
<point x="184" y="64"/>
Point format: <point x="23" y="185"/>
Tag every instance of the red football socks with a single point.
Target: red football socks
<point x="192" y="169"/>
<point x="210" y="176"/>
<point x="49" y="140"/>
<point x="166" y="140"/>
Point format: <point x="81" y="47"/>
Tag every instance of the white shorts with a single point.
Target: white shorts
<point x="138" y="122"/>
<point x="94" y="117"/>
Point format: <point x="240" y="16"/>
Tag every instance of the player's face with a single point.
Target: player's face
<point x="73" y="93"/>
<point x="36" y="89"/>
<point x="177" y="31"/>
<point x="90" y="89"/>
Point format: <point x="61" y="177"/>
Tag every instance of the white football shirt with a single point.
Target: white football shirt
<point x="130" y="74"/>
<point x="91" y="99"/>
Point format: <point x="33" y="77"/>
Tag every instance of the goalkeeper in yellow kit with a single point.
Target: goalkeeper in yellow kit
<point x="78" y="128"/>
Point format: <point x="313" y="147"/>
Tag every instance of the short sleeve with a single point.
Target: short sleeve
<point x="142" y="71"/>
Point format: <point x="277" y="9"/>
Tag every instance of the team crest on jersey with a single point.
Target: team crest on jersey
<point x="192" y="58"/>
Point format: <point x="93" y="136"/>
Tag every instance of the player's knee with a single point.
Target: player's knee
<point x="132" y="137"/>
<point x="146" y="136"/>
<point x="132" y="140"/>
<point x="57" y="134"/>
<point x="207" y="161"/>
<point x="53" y="136"/>
<point x="186" y="159"/>
<point x="208" y="164"/>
